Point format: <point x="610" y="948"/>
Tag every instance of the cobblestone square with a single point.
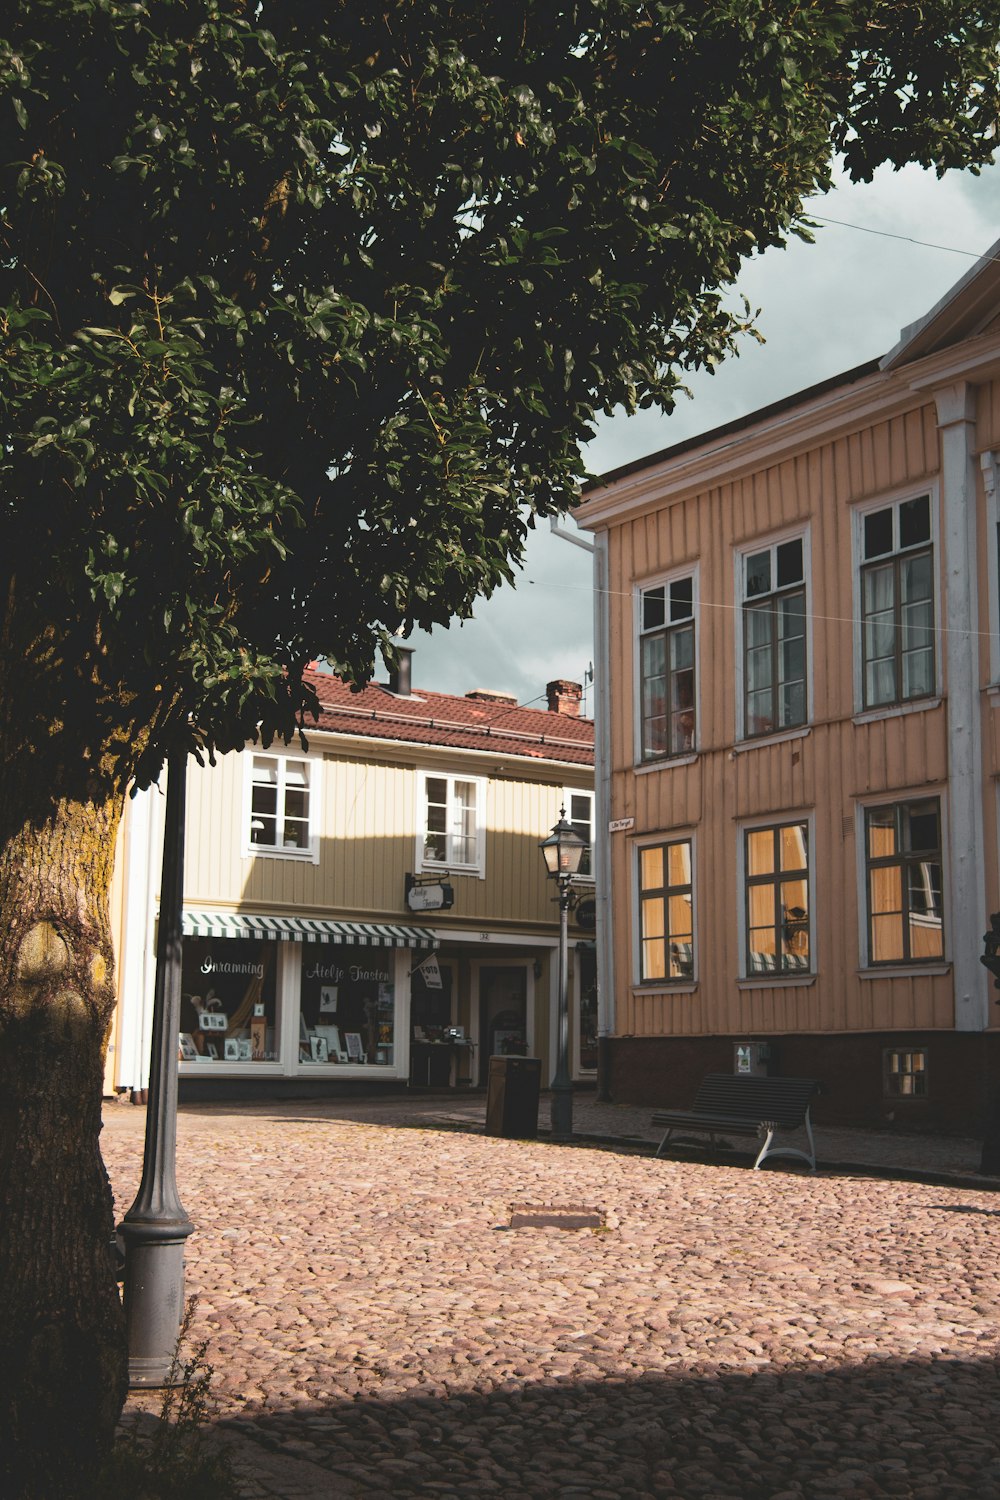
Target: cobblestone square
<point x="377" y="1328"/>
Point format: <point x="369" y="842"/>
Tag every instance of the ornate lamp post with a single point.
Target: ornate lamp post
<point x="156" y="1226"/>
<point x="562" y="851"/>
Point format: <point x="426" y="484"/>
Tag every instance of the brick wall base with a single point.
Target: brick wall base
<point x="963" y="1074"/>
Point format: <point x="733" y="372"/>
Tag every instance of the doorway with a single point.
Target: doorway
<point x="503" y="1014"/>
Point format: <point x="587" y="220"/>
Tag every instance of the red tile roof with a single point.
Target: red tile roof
<point x="427" y="718"/>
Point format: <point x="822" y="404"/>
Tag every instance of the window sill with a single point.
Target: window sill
<point x="445" y="872"/>
<point x="663" y="987"/>
<point x="760" y="741"/>
<point x="903" y="971"/>
<point x="261" y="851"/>
<point x="896" y="711"/>
<point x="777" y="982"/>
<point x="665" y="763"/>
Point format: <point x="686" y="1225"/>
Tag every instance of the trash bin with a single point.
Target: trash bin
<point x="512" y="1097"/>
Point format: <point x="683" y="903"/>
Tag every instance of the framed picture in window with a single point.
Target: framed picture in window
<point x="231" y="1049"/>
<point x="328" y="1000"/>
<point x="319" y="1049"/>
<point x="355" y="1050"/>
<point x="187" y="1051"/>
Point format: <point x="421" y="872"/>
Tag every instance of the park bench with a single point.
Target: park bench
<point x="738" y="1104"/>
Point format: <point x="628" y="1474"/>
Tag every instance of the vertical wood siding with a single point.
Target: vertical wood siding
<point x="821" y="774"/>
<point x="369" y="813"/>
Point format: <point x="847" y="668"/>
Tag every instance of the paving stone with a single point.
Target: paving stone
<point x="760" y="1336"/>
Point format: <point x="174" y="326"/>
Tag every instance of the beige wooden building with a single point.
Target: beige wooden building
<point x="797" y="750"/>
<point x="373" y="908"/>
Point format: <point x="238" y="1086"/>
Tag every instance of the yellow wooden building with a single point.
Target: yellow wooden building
<point x="799" y="632"/>
<point x="372" y="908"/>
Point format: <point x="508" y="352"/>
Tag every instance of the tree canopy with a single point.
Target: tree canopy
<point x="307" y="306"/>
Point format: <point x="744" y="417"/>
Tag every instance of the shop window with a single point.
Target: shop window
<point x="904" y="1073"/>
<point x="773" y="618"/>
<point x="451" y="836"/>
<point x="228" y="1005"/>
<point x="281" y="812"/>
<point x="666" y="918"/>
<point x="903" y="878"/>
<point x="347" y="1005"/>
<point x="776" y="910"/>
<point x="666" y="650"/>
<point x="897" y="603"/>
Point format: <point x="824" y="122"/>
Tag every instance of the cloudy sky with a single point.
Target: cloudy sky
<point x="896" y="247"/>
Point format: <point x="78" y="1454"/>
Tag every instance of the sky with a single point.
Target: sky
<point x="898" y="244"/>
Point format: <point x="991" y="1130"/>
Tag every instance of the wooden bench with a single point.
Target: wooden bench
<point x="738" y="1104"/>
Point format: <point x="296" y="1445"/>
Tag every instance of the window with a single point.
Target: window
<point x="903" y="879"/>
<point x="776" y="872"/>
<point x="666" y="927"/>
<point x="281" y="806"/>
<point x="904" y="1073"/>
<point x="774" y="638"/>
<point x="897" y="603"/>
<point x="580" y="817"/>
<point x="451" y="836"/>
<point x="666" y="668"/>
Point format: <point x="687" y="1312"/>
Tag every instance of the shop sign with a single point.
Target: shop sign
<point x="585" y="915"/>
<point x="434" y="896"/>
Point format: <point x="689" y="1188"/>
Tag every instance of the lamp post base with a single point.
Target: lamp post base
<point x="561" y="1111"/>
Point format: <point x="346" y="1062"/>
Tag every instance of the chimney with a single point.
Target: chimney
<point x="564" y="697"/>
<point x="399" y="675"/>
<point x="490" y="695"/>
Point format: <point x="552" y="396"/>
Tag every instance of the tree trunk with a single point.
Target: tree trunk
<point x="63" y="1366"/>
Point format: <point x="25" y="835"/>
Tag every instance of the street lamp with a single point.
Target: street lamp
<point x="563" y="851"/>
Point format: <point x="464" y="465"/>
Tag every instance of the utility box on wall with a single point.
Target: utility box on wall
<point x="754" y="1059"/>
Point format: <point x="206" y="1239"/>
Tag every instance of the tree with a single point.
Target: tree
<point x="306" y="307"/>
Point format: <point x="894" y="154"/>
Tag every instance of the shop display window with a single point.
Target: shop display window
<point x="228" y="1001"/>
<point x="348" y="1001"/>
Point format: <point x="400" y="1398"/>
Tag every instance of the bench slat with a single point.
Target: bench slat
<point x="747" y="1105"/>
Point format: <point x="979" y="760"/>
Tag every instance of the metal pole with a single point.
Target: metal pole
<point x="156" y="1226"/>
<point x="562" y="1085"/>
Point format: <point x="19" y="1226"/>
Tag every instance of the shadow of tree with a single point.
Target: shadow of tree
<point x="923" y="1428"/>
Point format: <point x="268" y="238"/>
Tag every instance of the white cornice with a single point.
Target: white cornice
<point x="731" y="455"/>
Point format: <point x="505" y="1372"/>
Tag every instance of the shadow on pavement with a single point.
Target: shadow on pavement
<point x="918" y="1428"/>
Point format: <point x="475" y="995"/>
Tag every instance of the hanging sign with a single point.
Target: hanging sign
<point x="436" y="895"/>
<point x="430" y="970"/>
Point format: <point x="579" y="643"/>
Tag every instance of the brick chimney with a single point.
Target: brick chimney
<point x="564" y="697"/>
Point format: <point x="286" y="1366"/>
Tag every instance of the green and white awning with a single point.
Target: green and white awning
<point x="232" y="924"/>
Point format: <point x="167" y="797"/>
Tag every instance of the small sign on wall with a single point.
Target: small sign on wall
<point x="620" y="825"/>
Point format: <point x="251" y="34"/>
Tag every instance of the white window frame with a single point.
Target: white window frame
<point x="687" y="982"/>
<point x="454" y="867"/>
<point x="749" y="825"/>
<point x="582" y="791"/>
<point x="894" y="498"/>
<point x="885" y="799"/>
<point x="313" y="763"/>
<point x="664" y="580"/>
<point x="990" y="463"/>
<point x="770" y="542"/>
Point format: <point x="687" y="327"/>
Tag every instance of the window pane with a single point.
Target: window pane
<point x="760" y="852"/>
<point x="758" y="626"/>
<point x="793" y="847"/>
<point x="653" y="919"/>
<point x="654" y="956"/>
<point x="920" y="827"/>
<point x="296" y="834"/>
<point x="681" y="598"/>
<point x="878" y="532"/>
<point x="885" y="887"/>
<point x="681" y="647"/>
<point x="887" y="939"/>
<point x="651" y="869"/>
<point x="881" y="825"/>
<point x="437" y="790"/>
<point x="265" y="770"/>
<point x="579" y="810"/>
<point x="680" y="918"/>
<point x="464" y="823"/>
<point x="679" y="856"/>
<point x="653" y="608"/>
<point x="758" y="574"/>
<point x="915" y="522"/>
<point x="760" y="904"/>
<point x="789" y="563"/>
<point x="296" y="773"/>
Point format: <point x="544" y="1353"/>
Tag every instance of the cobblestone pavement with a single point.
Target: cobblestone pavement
<point x="378" y="1329"/>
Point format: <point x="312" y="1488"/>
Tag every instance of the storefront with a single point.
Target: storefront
<point x="295" y="997"/>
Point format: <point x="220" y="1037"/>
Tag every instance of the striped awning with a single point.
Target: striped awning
<point x="233" y="924"/>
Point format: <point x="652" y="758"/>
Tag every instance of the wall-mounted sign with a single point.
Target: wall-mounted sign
<point x="619" y="825"/>
<point x="434" y="896"/>
<point x="585" y="915"/>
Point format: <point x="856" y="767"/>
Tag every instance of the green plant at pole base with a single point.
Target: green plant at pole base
<point x="173" y="1456"/>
